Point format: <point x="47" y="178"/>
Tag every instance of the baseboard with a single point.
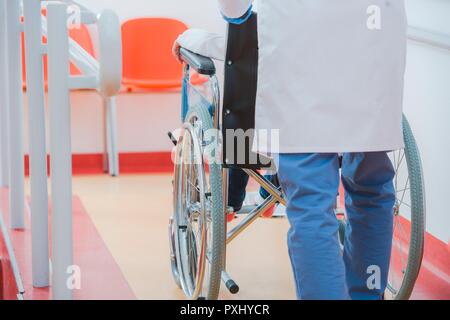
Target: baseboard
<point x="137" y="162"/>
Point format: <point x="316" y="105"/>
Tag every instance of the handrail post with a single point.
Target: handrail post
<point x="109" y="104"/>
<point x="4" y="148"/>
<point x="38" y="153"/>
<point x="16" y="153"/>
<point x="60" y="149"/>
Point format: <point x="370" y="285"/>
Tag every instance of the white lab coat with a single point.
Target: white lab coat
<point x="330" y="75"/>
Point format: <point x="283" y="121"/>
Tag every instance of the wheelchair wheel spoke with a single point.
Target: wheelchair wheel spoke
<point x="195" y="187"/>
<point x="391" y="289"/>
<point x="404" y="191"/>
<point x="405" y="204"/>
<point x="396" y="171"/>
<point x="400" y="159"/>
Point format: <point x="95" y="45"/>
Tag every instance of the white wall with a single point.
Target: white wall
<point x="429" y="14"/>
<point x="427" y="105"/>
<point x="196" y="13"/>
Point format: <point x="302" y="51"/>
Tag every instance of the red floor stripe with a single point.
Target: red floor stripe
<point x="8" y="287"/>
<point x="139" y="162"/>
<point x="101" y="277"/>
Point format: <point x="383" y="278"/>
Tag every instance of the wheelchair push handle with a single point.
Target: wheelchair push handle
<point x="203" y="65"/>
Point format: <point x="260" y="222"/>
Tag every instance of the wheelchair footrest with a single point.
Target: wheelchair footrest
<point x="246" y="209"/>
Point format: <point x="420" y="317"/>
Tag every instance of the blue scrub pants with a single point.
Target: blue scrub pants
<point x="311" y="182"/>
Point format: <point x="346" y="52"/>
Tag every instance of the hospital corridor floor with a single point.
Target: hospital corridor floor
<point x="131" y="213"/>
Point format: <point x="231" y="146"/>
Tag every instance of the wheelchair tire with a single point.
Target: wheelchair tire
<point x="200" y="280"/>
<point x="417" y="208"/>
<point x="173" y="258"/>
<point x="218" y="232"/>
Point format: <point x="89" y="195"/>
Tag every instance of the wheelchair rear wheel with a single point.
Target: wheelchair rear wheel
<point x="409" y="218"/>
<point x="198" y="229"/>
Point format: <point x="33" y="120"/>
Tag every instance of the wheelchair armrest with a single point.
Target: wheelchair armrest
<point x="201" y="64"/>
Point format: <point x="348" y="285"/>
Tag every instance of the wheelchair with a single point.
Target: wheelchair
<point x="198" y="232"/>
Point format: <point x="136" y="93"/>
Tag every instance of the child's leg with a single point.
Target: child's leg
<point x="274" y="180"/>
<point x="237" y="183"/>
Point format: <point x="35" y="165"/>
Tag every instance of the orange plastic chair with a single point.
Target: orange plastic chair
<point x="81" y="36"/>
<point x="147" y="54"/>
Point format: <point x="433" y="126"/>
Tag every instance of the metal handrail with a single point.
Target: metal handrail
<point x="428" y="37"/>
<point x="102" y="74"/>
<point x="109" y="70"/>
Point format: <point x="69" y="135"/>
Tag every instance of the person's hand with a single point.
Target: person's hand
<point x="176" y="51"/>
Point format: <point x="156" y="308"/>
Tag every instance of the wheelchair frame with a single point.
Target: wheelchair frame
<point x="205" y="66"/>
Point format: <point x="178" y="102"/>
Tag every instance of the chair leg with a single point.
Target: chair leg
<point x="111" y="136"/>
<point x="105" y="137"/>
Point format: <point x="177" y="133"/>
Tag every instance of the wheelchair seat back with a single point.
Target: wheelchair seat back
<point x="240" y="85"/>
